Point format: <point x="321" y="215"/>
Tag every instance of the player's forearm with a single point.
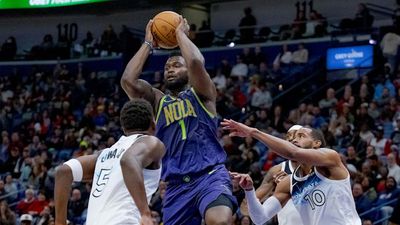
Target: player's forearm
<point x="263" y="191"/>
<point x="279" y="146"/>
<point x="135" y="66"/>
<point x="259" y="213"/>
<point x="133" y="177"/>
<point x="189" y="51"/>
<point x="63" y="181"/>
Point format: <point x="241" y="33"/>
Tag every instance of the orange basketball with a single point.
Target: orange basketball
<point x="163" y="29"/>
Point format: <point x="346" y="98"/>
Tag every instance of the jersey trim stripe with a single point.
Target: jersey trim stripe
<point x="160" y="107"/>
<point x="201" y="104"/>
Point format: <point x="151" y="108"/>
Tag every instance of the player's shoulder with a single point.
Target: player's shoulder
<point x="151" y="142"/>
<point x="278" y="167"/>
<point x="330" y="152"/>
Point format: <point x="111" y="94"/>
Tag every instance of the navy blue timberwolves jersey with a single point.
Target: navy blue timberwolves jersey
<point x="189" y="133"/>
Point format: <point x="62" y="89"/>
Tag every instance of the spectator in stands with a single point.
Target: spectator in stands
<point x="88" y="41"/>
<point x="261" y="99"/>
<point x="3" y="191"/>
<point x="109" y="39"/>
<point x="391" y="193"/>
<point x="28" y="205"/>
<point x="283" y="59"/>
<point x="352" y="158"/>
<point x="363" y="18"/>
<point x="8" y="49"/>
<point x="220" y="80"/>
<point x="76" y="205"/>
<point x="245" y="220"/>
<point x="10" y="164"/>
<point x="42" y="202"/>
<point x="326" y="104"/>
<point x="278" y="120"/>
<point x="300" y="56"/>
<point x="395" y="136"/>
<point x="368" y="189"/>
<point x="11" y="188"/>
<point x="45" y="217"/>
<point x="4" y="149"/>
<point x="378" y="141"/>
<point x="259" y="56"/>
<point x="204" y="26"/>
<point x="156" y="217"/>
<point x="384" y="97"/>
<point x="316" y="25"/>
<point x="247" y="26"/>
<point x="240" y="70"/>
<point x="299" y="25"/>
<point x="47" y="43"/>
<point x="390" y="44"/>
<point x="394" y="168"/>
<point x="361" y="200"/>
<point x="7" y="216"/>
<point x="395" y="218"/>
<point x="367" y="222"/>
<point x="26" y="219"/>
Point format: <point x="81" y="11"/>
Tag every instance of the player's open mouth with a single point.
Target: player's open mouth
<point x="170" y="78"/>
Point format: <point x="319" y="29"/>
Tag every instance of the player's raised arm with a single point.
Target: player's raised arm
<point x="80" y="169"/>
<point x="261" y="213"/>
<point x="316" y="157"/>
<point x="144" y="152"/>
<point x="130" y="82"/>
<point x="198" y="76"/>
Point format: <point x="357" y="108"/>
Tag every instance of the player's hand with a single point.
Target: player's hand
<point x="149" y="36"/>
<point x="279" y="176"/>
<point x="146" y="220"/>
<point x="237" y="129"/>
<point x="244" y="180"/>
<point x="183" y="26"/>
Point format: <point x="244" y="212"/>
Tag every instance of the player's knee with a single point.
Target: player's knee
<point x="220" y="215"/>
<point x="220" y="221"/>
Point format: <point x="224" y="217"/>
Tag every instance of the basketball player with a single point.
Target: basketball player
<point x="288" y="215"/>
<point x="124" y="176"/>
<point x="199" y="186"/>
<point x="319" y="188"/>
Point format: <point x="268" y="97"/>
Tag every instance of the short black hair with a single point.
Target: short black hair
<point x="175" y="53"/>
<point x="316" y="134"/>
<point x="136" y="115"/>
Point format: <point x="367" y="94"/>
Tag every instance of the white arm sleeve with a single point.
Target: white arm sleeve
<point x="76" y="168"/>
<point x="260" y="214"/>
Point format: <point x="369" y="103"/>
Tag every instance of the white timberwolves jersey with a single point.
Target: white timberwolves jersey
<point x="289" y="214"/>
<point x="110" y="202"/>
<point x="322" y="201"/>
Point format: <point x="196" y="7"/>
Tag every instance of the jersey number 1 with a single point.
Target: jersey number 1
<point x="183" y="128"/>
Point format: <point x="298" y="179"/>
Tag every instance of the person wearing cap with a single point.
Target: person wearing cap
<point x="288" y="215"/>
<point x="26" y="219"/>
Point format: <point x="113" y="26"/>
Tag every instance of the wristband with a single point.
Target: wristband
<point x="150" y="45"/>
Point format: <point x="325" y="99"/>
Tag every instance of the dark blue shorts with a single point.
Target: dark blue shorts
<point x="187" y="198"/>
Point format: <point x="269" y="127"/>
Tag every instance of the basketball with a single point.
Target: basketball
<point x="163" y="29"/>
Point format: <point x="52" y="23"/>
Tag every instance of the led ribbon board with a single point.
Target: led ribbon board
<point x="31" y="4"/>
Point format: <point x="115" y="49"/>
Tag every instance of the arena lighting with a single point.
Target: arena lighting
<point x="231" y="45"/>
<point x="372" y="42"/>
